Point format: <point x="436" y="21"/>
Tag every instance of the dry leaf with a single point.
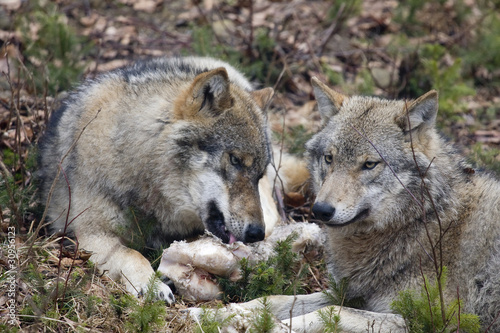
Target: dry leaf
<point x="148" y="6"/>
<point x="294" y="199"/>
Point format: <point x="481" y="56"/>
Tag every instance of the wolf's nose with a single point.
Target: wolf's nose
<point x="323" y="211"/>
<point x="254" y="234"/>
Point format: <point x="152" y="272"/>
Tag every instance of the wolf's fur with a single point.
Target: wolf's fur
<point x="377" y="231"/>
<point x="184" y="140"/>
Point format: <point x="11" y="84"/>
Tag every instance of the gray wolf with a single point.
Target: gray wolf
<point x="391" y="192"/>
<point x="183" y="140"/>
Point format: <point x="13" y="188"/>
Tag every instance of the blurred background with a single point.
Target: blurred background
<point x="394" y="49"/>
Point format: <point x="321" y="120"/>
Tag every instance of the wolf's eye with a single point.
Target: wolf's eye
<point x="234" y="160"/>
<point x="328" y="159"/>
<point x="369" y="165"/>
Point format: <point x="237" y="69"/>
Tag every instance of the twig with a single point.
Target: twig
<point x="291" y="309"/>
<point x="458" y="314"/>
<point x="332" y="29"/>
<point x="56" y="320"/>
<point x="314" y="58"/>
<point x="279" y="197"/>
<point x="250" y="23"/>
<point x="59" y="264"/>
<point x="387" y="163"/>
<point x="313" y="275"/>
<point x="6" y="174"/>
<point x="61" y="242"/>
<point x="428" y="295"/>
<point x="437" y="259"/>
<point x="493" y="322"/>
<point x="438" y="266"/>
<point x="126" y="278"/>
<point x="49" y="196"/>
<point x="70" y="268"/>
<point x="14" y="106"/>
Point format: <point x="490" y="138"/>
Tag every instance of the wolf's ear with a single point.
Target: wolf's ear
<point x="421" y="113"/>
<point x="329" y="101"/>
<point x="262" y="96"/>
<point x="208" y="95"/>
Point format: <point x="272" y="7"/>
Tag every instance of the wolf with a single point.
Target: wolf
<point x="183" y="140"/>
<point x="398" y="201"/>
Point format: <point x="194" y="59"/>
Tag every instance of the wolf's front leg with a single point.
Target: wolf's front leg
<point x="123" y="264"/>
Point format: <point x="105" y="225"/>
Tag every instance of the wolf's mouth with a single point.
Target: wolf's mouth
<point x="217" y="226"/>
<point x="361" y="216"/>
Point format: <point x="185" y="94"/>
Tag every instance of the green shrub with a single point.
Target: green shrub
<point x="294" y="139"/>
<point x="261" y="65"/>
<point x="330" y="319"/>
<point x="486" y="157"/>
<point x="57" y="298"/>
<point x="212" y="321"/>
<point x="337" y="294"/>
<point x="483" y="50"/>
<point x="365" y="84"/>
<point x="142" y="315"/>
<point x="55" y="54"/>
<point x="429" y="70"/>
<point x="263" y="320"/>
<point x="422" y="310"/>
<point x="276" y="276"/>
<point x="412" y="16"/>
<point x="447" y="80"/>
<point x="334" y="78"/>
<point x="342" y="10"/>
<point x="14" y="193"/>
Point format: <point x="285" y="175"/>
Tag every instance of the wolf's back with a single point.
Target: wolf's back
<point x="160" y="69"/>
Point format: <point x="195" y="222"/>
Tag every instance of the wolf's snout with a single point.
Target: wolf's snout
<point x="254" y="234"/>
<point x="323" y="211"/>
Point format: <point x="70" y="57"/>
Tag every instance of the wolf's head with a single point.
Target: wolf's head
<point x="367" y="148"/>
<point x="222" y="152"/>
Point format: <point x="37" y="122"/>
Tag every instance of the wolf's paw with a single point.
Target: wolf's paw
<point x="162" y="291"/>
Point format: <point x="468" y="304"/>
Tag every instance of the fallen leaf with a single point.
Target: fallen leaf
<point x="148" y="6"/>
<point x="294" y="199"/>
